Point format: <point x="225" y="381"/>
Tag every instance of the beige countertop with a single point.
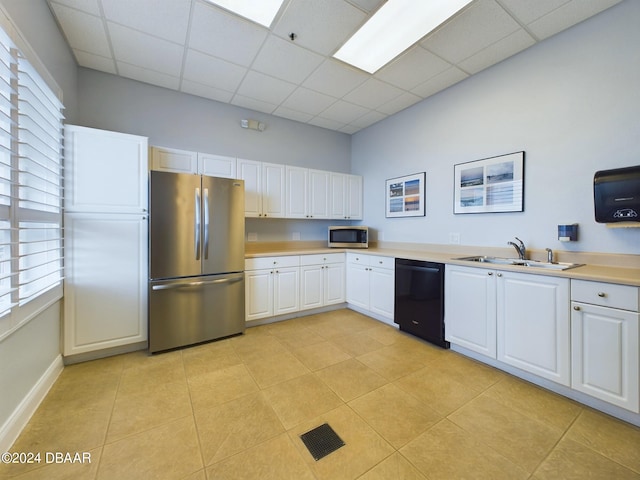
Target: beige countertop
<point x="593" y="272"/>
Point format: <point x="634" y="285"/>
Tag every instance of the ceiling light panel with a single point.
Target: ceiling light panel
<point x="262" y="12"/>
<point x="396" y="26"/>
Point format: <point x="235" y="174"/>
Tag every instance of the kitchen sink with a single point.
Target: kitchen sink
<point x="520" y="263"/>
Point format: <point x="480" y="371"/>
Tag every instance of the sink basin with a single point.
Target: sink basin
<point x="520" y="263"/>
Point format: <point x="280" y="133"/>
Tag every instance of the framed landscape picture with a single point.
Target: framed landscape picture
<point x="490" y="185"/>
<point x="405" y="196"/>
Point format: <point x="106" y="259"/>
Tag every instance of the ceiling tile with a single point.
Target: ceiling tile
<point x="320" y="26"/>
<point x="137" y="48"/>
<point x="223" y="35"/>
<point x="567" y="16"/>
<point x="368" y="119"/>
<point x="88" y="6"/>
<point x="83" y="31"/>
<point x="148" y="76"/>
<point x="285" y="60"/>
<point x="441" y="81"/>
<point x="335" y="78"/>
<point x="497" y="52"/>
<point x="343" y="112"/>
<point x="399" y="103"/>
<point x="527" y="11"/>
<point x="309" y="101"/>
<point x="477" y="27"/>
<point x="373" y="93"/>
<point x="253" y="104"/>
<point x="96" y="62"/>
<point x="212" y="71"/>
<point x="368" y="5"/>
<point x="195" y="88"/>
<point x="327" y="123"/>
<point x="167" y="19"/>
<point x="412" y="68"/>
<point x="292" y="114"/>
<point x="265" y="88"/>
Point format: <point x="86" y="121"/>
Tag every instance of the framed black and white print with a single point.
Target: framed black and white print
<point x="490" y="185"/>
<point x="405" y="196"/>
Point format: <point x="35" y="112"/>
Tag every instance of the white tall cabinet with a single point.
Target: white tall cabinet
<point x="105" y="301"/>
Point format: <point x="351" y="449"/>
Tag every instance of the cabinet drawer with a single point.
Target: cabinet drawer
<point x="321" y="258"/>
<point x="625" y="297"/>
<point x="372" y="260"/>
<point x="271" y="262"/>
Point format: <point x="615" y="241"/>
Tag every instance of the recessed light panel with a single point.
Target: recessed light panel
<point x="396" y="26"/>
<point x="262" y="11"/>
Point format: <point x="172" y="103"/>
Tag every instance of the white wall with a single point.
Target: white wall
<point x="572" y="103"/>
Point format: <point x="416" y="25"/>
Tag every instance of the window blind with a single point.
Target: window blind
<point x="31" y="176"/>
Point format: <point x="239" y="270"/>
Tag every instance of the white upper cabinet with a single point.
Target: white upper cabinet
<point x="184" y="161"/>
<point x="307" y="193"/>
<point x="105" y="171"/>
<point x="173" y="160"/>
<point x="264" y="188"/>
<point x="345" y="196"/>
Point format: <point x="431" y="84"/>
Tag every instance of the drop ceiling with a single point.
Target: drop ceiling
<point x="195" y="47"/>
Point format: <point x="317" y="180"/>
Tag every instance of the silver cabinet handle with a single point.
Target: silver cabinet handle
<point x="489" y="273"/>
<point x="196" y="222"/>
<point x="206" y="223"/>
<point x="499" y="274"/>
<point x="576" y="308"/>
<point x="602" y="294"/>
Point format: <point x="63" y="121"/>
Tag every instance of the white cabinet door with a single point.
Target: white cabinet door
<point x="533" y="324"/>
<point x="105" y="171"/>
<point x="251" y="172"/>
<point x="470" y="308"/>
<point x="354" y="197"/>
<point x="173" y="160"/>
<point x="106" y="281"/>
<point x="604" y="354"/>
<point x="297" y="195"/>
<point x="381" y="291"/>
<point x="358" y="285"/>
<point x="286" y="290"/>
<point x="318" y="194"/>
<point x="216" y="165"/>
<point x="334" y="284"/>
<point x="338" y="199"/>
<point x="273" y="190"/>
<point x="311" y="286"/>
<point x="259" y="294"/>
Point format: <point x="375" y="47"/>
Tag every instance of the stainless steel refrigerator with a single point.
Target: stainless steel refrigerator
<point x="196" y="259"/>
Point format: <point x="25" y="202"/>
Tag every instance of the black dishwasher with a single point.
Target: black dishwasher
<point x="419" y="299"/>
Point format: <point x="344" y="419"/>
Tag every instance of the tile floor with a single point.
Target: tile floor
<point x="234" y="409"/>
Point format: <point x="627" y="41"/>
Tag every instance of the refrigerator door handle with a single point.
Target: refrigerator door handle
<point x="169" y="286"/>
<point x="196" y="224"/>
<point x="206" y="223"/>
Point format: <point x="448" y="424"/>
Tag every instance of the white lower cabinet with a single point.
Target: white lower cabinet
<point x="370" y="283"/>
<point x="605" y="341"/>
<point x="105" y="302"/>
<point x="533" y="324"/>
<point x="517" y="318"/>
<point x="272" y="286"/>
<point x="470" y="308"/>
<point x="322" y="280"/>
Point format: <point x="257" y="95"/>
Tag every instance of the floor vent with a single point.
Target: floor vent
<point x="321" y="441"/>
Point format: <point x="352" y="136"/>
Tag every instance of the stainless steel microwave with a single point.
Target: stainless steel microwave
<point x="349" y="237"/>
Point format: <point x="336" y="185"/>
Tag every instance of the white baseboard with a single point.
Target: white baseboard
<point x="27" y="407"/>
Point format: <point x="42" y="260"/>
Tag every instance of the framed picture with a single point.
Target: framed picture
<point x="405" y="196"/>
<point x="490" y="185"/>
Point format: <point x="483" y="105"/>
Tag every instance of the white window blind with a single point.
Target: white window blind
<point x="31" y="128"/>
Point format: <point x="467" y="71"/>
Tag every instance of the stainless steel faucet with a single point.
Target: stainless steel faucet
<point x="520" y="248"/>
<point x="549" y="255"/>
